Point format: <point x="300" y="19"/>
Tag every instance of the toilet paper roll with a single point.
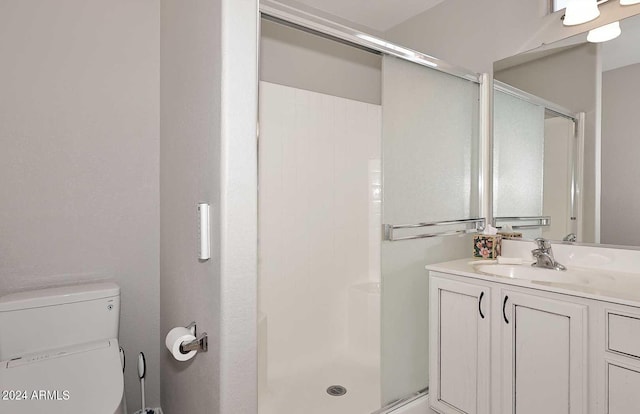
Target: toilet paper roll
<point x="175" y="338"/>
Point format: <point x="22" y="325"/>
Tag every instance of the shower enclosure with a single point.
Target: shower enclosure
<point x="357" y="193"/>
<point x="319" y="279"/>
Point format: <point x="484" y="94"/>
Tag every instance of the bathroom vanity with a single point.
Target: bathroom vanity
<point x="517" y="339"/>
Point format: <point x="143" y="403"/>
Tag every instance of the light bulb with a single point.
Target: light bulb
<point x="604" y="33"/>
<point x="580" y="11"/>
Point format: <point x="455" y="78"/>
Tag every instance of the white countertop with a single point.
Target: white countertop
<point x="604" y="284"/>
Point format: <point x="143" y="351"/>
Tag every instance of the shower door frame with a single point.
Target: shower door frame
<point x="326" y="28"/>
<point x="359" y="38"/>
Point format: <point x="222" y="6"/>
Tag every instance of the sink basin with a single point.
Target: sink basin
<point x="528" y="272"/>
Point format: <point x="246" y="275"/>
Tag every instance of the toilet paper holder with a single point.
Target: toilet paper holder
<point x="201" y="343"/>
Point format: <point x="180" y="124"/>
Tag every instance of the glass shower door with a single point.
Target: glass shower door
<point x="430" y="153"/>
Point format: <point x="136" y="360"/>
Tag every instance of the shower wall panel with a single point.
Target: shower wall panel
<point x="319" y="225"/>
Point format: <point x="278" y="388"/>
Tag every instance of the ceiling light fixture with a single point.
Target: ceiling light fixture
<point x="580" y="11"/>
<point x="629" y="2"/>
<point x="604" y="33"/>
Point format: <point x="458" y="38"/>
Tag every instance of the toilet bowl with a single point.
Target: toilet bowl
<point x="59" y="351"/>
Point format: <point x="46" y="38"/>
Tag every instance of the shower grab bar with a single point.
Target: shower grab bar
<point x="388" y="229"/>
<point x="543" y="221"/>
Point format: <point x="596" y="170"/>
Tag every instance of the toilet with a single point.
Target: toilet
<point x="59" y="351"/>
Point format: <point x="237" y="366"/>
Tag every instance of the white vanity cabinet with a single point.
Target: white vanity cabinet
<point x="621" y="379"/>
<point x="460" y="342"/>
<point x="544" y="354"/>
<point x="539" y="343"/>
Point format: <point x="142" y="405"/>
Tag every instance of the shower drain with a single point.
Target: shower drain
<point x="336" y="390"/>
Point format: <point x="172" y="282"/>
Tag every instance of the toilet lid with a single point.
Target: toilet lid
<point x="77" y="379"/>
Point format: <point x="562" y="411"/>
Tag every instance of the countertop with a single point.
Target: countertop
<point x="607" y="285"/>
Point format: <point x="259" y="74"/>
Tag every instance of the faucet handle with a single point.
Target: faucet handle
<point x="543" y="243"/>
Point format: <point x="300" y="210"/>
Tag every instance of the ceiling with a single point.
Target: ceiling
<point x="619" y="52"/>
<point x="380" y="15"/>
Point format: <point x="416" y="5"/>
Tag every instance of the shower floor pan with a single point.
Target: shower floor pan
<point x="306" y="392"/>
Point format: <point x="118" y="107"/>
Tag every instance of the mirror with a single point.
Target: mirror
<point x="567" y="139"/>
<point x="535" y="170"/>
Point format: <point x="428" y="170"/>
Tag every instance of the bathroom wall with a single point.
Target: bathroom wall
<point x="620" y="148"/>
<point x="189" y="174"/>
<point x="554" y="77"/>
<point x="79" y="153"/>
<point x="208" y="154"/>
<point x="303" y="60"/>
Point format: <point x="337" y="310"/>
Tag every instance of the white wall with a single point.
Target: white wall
<point x="303" y="60"/>
<point x="239" y="208"/>
<point x="79" y="157"/>
<point x="620" y="149"/>
<point x="208" y="153"/>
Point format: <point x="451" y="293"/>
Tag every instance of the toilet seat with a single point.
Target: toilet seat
<point x="77" y="379"/>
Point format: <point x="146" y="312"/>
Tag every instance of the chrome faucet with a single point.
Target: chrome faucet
<point x="571" y="237"/>
<point x="544" y="256"/>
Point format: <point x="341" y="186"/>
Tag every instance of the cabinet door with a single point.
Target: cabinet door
<point x="460" y="347"/>
<point x="544" y="346"/>
<point x="623" y="388"/>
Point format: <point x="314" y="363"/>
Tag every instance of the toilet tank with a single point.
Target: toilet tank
<point x="45" y="319"/>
